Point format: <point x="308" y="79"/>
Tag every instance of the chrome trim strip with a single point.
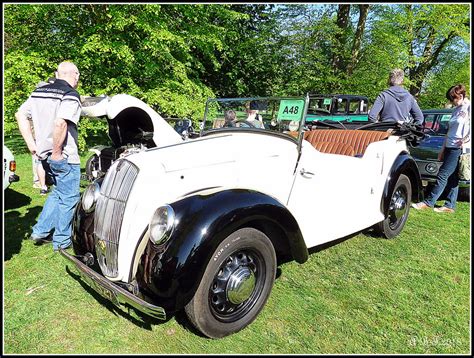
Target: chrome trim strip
<point x="115" y="294"/>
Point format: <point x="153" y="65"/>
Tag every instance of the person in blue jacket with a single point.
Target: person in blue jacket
<point x="396" y="104"/>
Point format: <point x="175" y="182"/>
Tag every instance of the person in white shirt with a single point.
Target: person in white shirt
<point x="457" y="141"/>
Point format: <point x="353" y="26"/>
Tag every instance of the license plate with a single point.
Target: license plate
<point x="103" y="291"/>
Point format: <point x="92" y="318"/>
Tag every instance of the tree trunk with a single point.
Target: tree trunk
<point x="428" y="60"/>
<point x="356" y="45"/>
<point x="341" y="37"/>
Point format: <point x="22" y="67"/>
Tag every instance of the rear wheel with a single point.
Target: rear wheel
<point x="235" y="285"/>
<point x="464" y="194"/>
<point x="397" y="212"/>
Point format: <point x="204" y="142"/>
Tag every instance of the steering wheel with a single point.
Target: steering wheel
<point x="247" y="123"/>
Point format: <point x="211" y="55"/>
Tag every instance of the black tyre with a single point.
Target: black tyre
<point x="92" y="166"/>
<point x="397" y="212"/>
<point x="464" y="194"/>
<point x="235" y="285"/>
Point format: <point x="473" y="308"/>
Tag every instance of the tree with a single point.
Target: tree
<point x="416" y="38"/>
<point x="158" y="53"/>
<point x="431" y="31"/>
<point x="174" y="57"/>
<point x="358" y="37"/>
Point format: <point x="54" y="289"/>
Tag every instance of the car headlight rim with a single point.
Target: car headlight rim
<point x="162" y="224"/>
<point x="90" y="196"/>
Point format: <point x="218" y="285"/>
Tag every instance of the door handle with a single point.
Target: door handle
<point x="305" y="173"/>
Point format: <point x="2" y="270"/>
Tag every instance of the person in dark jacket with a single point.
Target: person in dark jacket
<point x="396" y="104"/>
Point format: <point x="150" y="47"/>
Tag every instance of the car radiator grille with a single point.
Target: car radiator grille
<point x="109" y="212"/>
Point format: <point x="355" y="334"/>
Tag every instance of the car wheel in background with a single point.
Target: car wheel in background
<point x="464" y="194"/>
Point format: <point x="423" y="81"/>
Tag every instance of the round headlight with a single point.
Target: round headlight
<point x="431" y="168"/>
<point x="90" y="196"/>
<point x="161" y="224"/>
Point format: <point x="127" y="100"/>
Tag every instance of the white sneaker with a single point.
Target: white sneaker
<point x="420" y="206"/>
<point x="444" y="209"/>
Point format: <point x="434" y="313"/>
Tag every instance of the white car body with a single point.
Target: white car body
<point x="112" y="107"/>
<point x="230" y="168"/>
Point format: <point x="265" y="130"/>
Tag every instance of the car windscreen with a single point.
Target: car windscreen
<point x="274" y="114"/>
<point x="320" y="105"/>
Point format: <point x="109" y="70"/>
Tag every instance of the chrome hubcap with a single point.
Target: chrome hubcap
<point x="240" y="286"/>
<point x="398" y="207"/>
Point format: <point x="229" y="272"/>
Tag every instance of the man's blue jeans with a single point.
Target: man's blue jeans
<point x="448" y="178"/>
<point x="58" y="211"/>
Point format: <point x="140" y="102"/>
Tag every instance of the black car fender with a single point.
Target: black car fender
<point x="403" y="164"/>
<point x="170" y="273"/>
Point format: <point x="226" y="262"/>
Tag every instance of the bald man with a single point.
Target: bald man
<point x="55" y="109"/>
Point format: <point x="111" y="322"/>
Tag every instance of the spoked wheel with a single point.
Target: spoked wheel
<point x="399" y="207"/>
<point x="236" y="284"/>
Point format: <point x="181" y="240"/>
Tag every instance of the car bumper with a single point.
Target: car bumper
<point x="115" y="294"/>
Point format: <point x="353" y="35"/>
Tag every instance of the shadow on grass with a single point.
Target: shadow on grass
<point x="17" y="226"/>
<point x="143" y="321"/>
<point x="14" y="199"/>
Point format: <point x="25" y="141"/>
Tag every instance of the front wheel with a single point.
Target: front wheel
<point x="399" y="207"/>
<point x="235" y="285"/>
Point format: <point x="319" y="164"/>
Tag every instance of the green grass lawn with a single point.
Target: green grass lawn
<point x="364" y="295"/>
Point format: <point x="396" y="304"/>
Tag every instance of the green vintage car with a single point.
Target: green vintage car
<point x="338" y="107"/>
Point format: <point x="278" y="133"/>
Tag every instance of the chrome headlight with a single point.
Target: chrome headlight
<point x="90" y="196"/>
<point x="162" y="224"/>
<point x="431" y="168"/>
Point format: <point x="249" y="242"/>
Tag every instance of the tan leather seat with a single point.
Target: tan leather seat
<point x="357" y="139"/>
<point x="334" y="148"/>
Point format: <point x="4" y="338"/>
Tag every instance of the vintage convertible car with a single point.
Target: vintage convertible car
<point x="201" y="225"/>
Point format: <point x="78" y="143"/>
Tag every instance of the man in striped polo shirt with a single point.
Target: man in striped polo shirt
<point x="55" y="110"/>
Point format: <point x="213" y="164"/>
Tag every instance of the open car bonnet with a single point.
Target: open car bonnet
<point x="131" y="121"/>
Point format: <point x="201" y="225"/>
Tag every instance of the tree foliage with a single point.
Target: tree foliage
<point x="174" y="57"/>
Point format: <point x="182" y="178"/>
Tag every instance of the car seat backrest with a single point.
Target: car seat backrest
<point x="334" y="148"/>
<point x="359" y="140"/>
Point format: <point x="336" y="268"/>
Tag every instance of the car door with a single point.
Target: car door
<point x="436" y="127"/>
<point x="426" y="152"/>
<point x="332" y="195"/>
